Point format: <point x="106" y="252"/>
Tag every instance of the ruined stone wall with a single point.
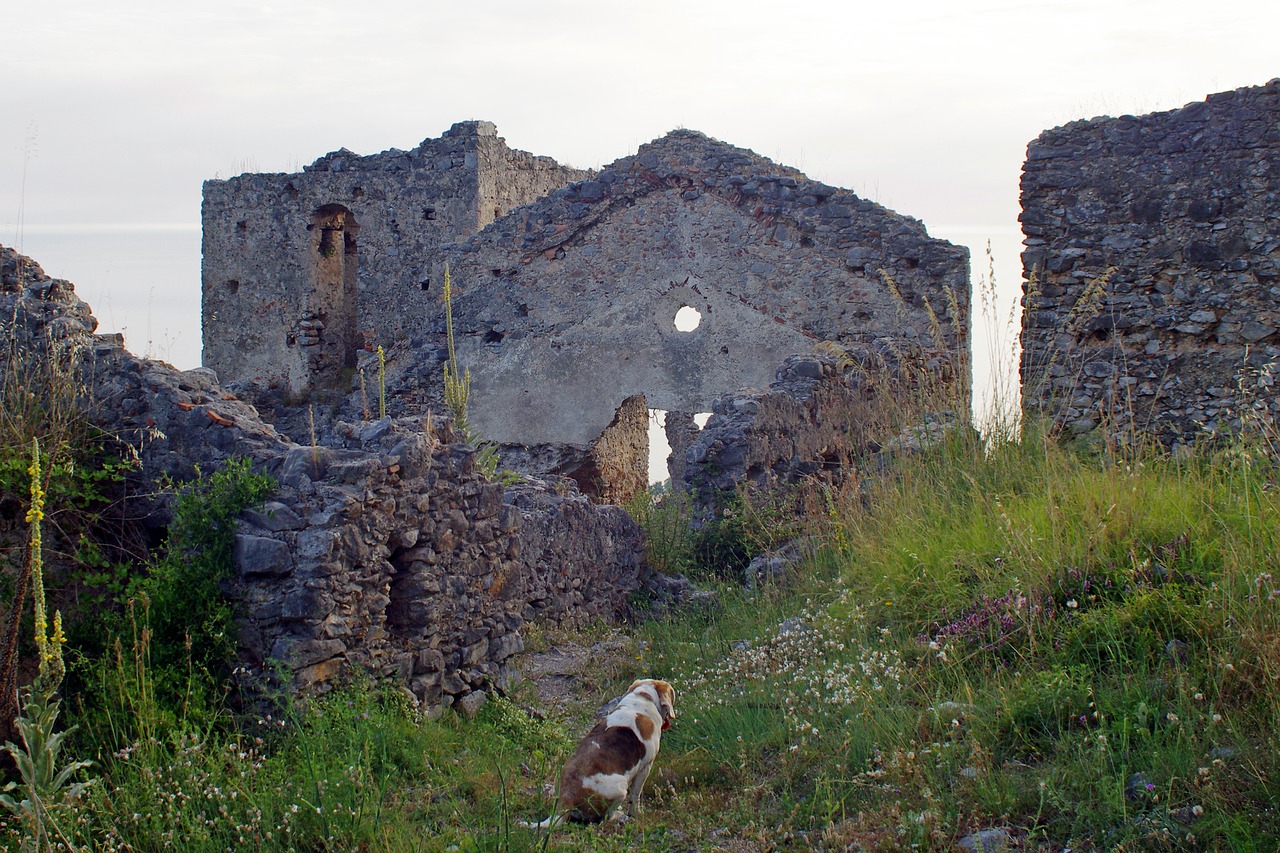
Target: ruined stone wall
<point x="400" y="558"/>
<point x="383" y="550"/>
<point x="566" y="307"/>
<point x="302" y="270"/>
<point x="1153" y="262"/>
<point x="617" y="464"/>
<point x="808" y="425"/>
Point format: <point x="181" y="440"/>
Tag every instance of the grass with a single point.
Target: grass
<point x="1004" y="636"/>
<point x="1076" y="650"/>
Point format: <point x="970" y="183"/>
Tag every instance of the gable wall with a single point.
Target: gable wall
<point x="567" y="307"/>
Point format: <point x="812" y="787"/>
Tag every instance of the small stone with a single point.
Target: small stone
<point x="470" y="704"/>
<point x="1253" y="331"/>
<point x="792" y="625"/>
<point x="986" y="841"/>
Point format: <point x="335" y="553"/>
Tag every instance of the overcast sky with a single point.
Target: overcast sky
<point x="115" y="112"/>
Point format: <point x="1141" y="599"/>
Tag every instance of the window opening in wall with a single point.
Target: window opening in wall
<point x="233" y="286"/>
<point x="429" y="214"/>
<point x="687" y="319"/>
<point x="659" y="448"/>
<point x="425" y="284"/>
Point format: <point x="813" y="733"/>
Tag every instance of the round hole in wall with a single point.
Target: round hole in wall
<point x="688" y="318"/>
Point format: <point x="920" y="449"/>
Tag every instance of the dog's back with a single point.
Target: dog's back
<point x="596" y="778"/>
<point x="612" y="762"/>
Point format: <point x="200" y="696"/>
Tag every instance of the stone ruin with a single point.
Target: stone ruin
<point x="565" y="307"/>
<point x="384" y="550"/>
<point x="1152" y="302"/>
<point x="303" y="271"/>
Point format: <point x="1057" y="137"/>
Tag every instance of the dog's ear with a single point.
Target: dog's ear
<point x="666" y="701"/>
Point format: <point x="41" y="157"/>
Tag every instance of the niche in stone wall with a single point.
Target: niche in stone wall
<point x="333" y="309"/>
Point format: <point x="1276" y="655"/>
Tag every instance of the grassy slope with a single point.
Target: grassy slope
<point x="1006" y="640"/>
<point x="1081" y="651"/>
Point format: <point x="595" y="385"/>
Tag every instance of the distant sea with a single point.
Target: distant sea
<point x="140" y="280"/>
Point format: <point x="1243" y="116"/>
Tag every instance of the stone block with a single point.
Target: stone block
<point x="258" y="556"/>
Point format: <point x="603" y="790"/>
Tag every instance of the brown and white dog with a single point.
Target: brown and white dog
<point x="612" y="762"/>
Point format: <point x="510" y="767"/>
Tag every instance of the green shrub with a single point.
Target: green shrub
<point x="668" y="536"/>
<point x="191" y="619"/>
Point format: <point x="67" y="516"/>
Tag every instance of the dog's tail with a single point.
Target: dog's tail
<point x="550" y="823"/>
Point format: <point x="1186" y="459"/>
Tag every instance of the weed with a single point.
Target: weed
<point x="457" y="392"/>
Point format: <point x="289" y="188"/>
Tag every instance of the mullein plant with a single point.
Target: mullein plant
<point x="47" y="784"/>
<point x="457" y="392"/>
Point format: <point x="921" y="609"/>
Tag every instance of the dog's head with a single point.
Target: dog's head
<point x="661" y="693"/>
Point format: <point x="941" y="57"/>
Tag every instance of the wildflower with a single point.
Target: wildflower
<point x="1073" y="604"/>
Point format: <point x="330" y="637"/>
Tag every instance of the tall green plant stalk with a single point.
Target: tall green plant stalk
<point x="45" y="785"/>
<point x="382" y="379"/>
<point x="457" y="384"/>
<point x="457" y="391"/>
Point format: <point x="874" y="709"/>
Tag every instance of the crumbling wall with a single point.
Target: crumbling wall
<point x="566" y="307"/>
<point x="616" y="468"/>
<point x="808" y="426"/>
<point x="400" y="558"/>
<point x="384" y="550"/>
<point x="1152" y="301"/>
<point x="302" y="270"/>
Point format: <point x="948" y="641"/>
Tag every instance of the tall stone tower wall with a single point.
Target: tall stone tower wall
<point x="302" y="270"/>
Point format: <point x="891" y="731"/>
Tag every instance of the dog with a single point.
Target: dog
<point x="613" y="761"/>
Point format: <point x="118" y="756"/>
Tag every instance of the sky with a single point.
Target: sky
<point x="115" y="113"/>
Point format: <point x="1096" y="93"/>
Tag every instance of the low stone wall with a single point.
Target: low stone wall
<point x="386" y="552"/>
<point x="402" y="559"/>
<point x="1153" y="262"/>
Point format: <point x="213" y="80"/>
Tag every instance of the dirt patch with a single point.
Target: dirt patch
<point x="571" y="678"/>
